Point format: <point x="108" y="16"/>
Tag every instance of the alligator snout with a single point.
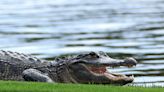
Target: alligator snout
<point x="129" y="62"/>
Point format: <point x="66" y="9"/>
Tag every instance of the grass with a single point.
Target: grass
<point x="13" y="86"/>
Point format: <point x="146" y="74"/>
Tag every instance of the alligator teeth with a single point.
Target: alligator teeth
<point x="132" y="76"/>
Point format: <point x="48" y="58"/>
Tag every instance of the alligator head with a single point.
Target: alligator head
<point x="92" y="68"/>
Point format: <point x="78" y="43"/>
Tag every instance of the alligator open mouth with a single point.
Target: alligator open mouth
<point x="93" y="69"/>
<point x="102" y="71"/>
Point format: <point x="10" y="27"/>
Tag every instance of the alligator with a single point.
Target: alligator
<point x="84" y="68"/>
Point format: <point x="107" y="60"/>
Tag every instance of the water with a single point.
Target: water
<point x="122" y="28"/>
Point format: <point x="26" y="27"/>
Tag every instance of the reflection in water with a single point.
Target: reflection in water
<point x="123" y="28"/>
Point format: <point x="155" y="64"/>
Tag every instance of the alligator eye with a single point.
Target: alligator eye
<point x="93" y="54"/>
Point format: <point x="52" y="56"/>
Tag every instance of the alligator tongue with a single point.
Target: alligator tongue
<point x="99" y="70"/>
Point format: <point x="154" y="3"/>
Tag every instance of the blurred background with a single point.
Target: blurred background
<point x="122" y="28"/>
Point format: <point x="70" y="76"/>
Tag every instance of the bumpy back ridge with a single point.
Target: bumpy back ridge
<point x="16" y="58"/>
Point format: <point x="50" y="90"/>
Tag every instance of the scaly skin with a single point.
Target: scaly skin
<point x="12" y="64"/>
